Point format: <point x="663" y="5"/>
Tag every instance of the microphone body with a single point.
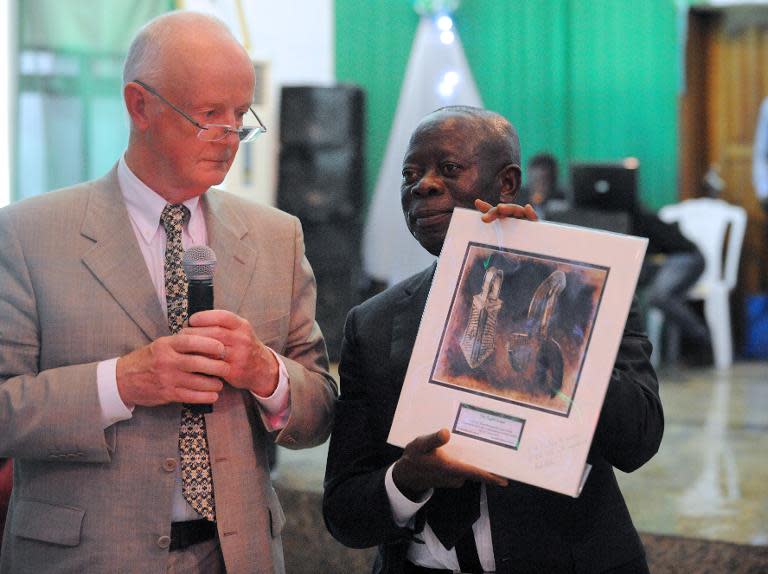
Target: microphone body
<point x="199" y="296"/>
<point x="199" y="264"/>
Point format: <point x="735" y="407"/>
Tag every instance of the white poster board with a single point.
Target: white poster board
<point x="517" y="343"/>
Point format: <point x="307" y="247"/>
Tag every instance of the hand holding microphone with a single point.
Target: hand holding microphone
<point x="189" y="367"/>
<point x="251" y="365"/>
<point x="173" y="369"/>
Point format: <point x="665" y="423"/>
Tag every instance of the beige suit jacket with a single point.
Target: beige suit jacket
<point x="75" y="290"/>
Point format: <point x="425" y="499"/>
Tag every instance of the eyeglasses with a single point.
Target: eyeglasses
<point x="213" y="132"/>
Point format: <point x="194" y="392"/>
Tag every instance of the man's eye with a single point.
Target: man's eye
<point x="450" y="168"/>
<point x="409" y="175"/>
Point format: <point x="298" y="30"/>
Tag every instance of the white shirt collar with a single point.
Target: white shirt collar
<point x="145" y="206"/>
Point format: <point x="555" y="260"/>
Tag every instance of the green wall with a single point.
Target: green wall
<point x="584" y="79"/>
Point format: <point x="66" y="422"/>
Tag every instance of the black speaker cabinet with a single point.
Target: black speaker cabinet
<point x="334" y="253"/>
<point x="321" y="184"/>
<point x="321" y="181"/>
<point x="321" y="115"/>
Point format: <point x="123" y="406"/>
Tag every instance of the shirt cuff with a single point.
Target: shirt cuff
<point x="276" y="408"/>
<point x="403" y="508"/>
<point x="113" y="408"/>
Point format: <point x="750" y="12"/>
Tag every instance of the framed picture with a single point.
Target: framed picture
<point x="517" y="344"/>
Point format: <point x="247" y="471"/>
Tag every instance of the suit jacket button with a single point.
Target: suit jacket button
<point x="169" y="464"/>
<point x="164" y="541"/>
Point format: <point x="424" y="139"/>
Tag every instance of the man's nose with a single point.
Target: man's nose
<point x="429" y="184"/>
<point x="232" y="138"/>
<point x="230" y="120"/>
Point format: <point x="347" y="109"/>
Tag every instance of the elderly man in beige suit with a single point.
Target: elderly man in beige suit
<point x="115" y="469"/>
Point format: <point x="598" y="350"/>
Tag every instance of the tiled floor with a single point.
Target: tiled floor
<point x="710" y="477"/>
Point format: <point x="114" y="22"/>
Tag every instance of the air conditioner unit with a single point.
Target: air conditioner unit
<point x="253" y="173"/>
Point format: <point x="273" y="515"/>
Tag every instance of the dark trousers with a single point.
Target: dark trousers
<point x="666" y="289"/>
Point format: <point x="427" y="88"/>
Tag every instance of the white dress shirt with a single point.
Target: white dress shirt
<point x="432" y="554"/>
<point x="144" y="209"/>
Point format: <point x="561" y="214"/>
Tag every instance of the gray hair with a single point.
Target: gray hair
<point x="152" y="40"/>
<point x="497" y="132"/>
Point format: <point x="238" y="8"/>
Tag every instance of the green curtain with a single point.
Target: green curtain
<point x="584" y="79"/>
<point x="71" y="123"/>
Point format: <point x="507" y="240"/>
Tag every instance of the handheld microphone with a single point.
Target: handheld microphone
<point x="199" y="264"/>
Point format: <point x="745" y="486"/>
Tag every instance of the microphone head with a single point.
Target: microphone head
<point x="199" y="263"/>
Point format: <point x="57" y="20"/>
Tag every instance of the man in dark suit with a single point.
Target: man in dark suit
<point x="424" y="510"/>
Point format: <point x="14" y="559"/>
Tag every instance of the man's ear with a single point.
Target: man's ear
<point x="136" y="102"/>
<point x="511" y="178"/>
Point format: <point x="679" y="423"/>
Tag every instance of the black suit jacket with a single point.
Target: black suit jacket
<point x="533" y="530"/>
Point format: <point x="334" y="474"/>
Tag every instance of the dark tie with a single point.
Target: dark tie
<point x="196" y="482"/>
<point x="451" y="512"/>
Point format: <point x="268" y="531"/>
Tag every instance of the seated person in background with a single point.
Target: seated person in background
<point x="671" y="267"/>
<point x="426" y="511"/>
<point x="541" y="175"/>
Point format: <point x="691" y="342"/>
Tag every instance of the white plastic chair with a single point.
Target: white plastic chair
<point x="709" y="223"/>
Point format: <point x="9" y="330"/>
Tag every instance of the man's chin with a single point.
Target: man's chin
<point x="215" y="175"/>
<point x="432" y="244"/>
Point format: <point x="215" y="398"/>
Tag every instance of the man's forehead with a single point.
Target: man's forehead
<point x="433" y="146"/>
<point x="448" y="129"/>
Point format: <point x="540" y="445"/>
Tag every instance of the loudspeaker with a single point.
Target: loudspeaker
<point x="321" y="181"/>
<point x="322" y="115"/>
<point x="334" y="253"/>
<point x="321" y="184"/>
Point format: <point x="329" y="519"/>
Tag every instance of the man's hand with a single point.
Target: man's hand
<point x="250" y="364"/>
<point x="424" y="465"/>
<point x="503" y="210"/>
<point x="175" y="369"/>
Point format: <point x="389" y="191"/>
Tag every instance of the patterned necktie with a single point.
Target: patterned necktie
<point x="196" y="482"/>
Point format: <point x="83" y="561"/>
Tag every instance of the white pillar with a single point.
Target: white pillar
<point x="437" y="75"/>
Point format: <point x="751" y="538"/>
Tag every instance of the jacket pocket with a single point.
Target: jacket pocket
<point x="47" y="522"/>
<point x="276" y="516"/>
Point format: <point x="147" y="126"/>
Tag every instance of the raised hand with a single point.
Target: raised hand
<point x="502" y="210"/>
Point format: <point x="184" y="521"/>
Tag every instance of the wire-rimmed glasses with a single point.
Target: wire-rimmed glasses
<point x="213" y="132"/>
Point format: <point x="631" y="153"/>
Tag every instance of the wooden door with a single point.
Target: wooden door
<point x="727" y="79"/>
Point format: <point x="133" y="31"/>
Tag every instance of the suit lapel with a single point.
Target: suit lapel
<point x="405" y="323"/>
<point x="116" y="260"/>
<point x="235" y="261"/>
